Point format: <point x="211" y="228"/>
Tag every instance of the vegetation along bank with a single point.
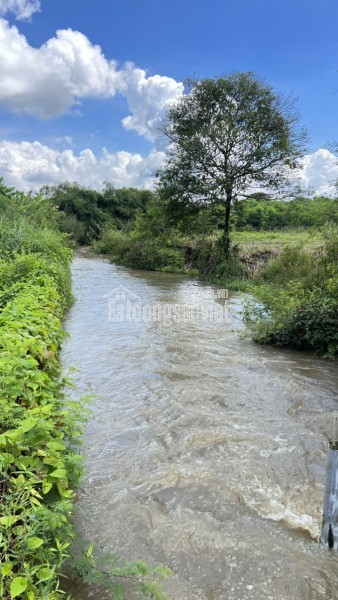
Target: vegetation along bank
<point x="284" y="253"/>
<point x="40" y="463"/>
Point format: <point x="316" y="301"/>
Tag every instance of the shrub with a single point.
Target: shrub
<point x="294" y="263"/>
<point x="138" y="253"/>
<point x="299" y="305"/>
<point x="213" y="264"/>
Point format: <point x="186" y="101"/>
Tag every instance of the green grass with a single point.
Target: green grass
<point x="252" y="241"/>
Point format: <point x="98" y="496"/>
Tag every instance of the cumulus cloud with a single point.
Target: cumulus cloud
<point x="48" y="81"/>
<point x="22" y="9"/>
<point x="53" y="79"/>
<point x="320" y="170"/>
<point x="148" y="98"/>
<point x="29" y="165"/>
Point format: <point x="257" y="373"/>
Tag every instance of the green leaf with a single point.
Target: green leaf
<point x="7" y="457"/>
<point x="46" y="486"/>
<point x="45" y="574"/>
<point x="56" y="445"/>
<point x="11" y="434"/>
<point x="27" y="425"/>
<point x="6" y="568"/>
<point x="59" y="474"/>
<point x="51" y="460"/>
<point x="34" y="543"/>
<point x="8" y="521"/>
<point x="18" y="586"/>
<point x="22" y="462"/>
<point x="90" y="550"/>
<point x="36" y="494"/>
<point x="35" y="501"/>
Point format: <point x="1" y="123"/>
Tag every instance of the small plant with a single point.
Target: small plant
<point x="104" y="571"/>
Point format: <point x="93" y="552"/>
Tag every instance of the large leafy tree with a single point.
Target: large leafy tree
<point x="228" y="137"/>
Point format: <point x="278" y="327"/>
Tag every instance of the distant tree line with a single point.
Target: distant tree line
<point x="267" y="214"/>
<point x="85" y="214"/>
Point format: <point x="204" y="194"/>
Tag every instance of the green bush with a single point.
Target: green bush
<point x="76" y="229"/>
<point x="39" y="465"/>
<point x="213" y="264"/>
<point x="294" y="263"/>
<point x="138" y="253"/>
<point x="298" y="304"/>
<point x="112" y="241"/>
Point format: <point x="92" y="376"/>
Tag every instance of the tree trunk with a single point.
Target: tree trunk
<point x="227" y="224"/>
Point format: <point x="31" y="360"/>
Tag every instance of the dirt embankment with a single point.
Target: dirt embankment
<point x="256" y="260"/>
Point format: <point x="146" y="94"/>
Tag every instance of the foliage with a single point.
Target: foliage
<point x="104" y="571"/>
<point x="85" y="213"/>
<point x="40" y="464"/>
<point x="79" y="210"/>
<point x="155" y="254"/>
<point x="226" y="136"/>
<point x="297" y="303"/>
<point x="273" y="214"/>
<point x="33" y="209"/>
<point x="123" y="204"/>
<point x="146" y="243"/>
<point x="212" y="262"/>
<point x="261" y="215"/>
<point x="295" y="263"/>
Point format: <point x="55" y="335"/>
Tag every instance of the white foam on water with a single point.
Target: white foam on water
<point x="272" y="503"/>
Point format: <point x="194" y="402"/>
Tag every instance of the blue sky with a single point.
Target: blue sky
<point x="63" y="100"/>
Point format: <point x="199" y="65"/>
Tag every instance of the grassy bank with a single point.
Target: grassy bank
<point x="297" y="296"/>
<point x="40" y="427"/>
<point x="203" y="255"/>
<point x="292" y="274"/>
<point x="39" y="464"/>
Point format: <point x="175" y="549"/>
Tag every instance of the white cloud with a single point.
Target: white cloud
<point x="320" y="169"/>
<point x="22" y="9"/>
<point x="48" y="81"/>
<point x="147" y="98"/>
<point x="29" y="165"/>
<point x="51" y="80"/>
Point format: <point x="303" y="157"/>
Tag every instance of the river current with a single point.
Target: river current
<point x="205" y="452"/>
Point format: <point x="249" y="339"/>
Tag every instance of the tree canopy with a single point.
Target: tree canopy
<point x="228" y="137"/>
<point x="85" y="212"/>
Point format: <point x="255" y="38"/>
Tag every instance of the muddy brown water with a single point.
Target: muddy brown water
<point x="204" y="452"/>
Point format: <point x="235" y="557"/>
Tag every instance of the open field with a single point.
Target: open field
<point x="258" y="241"/>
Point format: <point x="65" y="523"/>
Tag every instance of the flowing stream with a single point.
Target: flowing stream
<point x="205" y="452"/>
